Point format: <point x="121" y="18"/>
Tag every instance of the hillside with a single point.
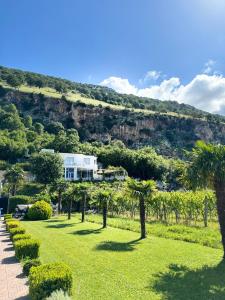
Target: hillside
<point x="97" y="120"/>
<point x="94" y="94"/>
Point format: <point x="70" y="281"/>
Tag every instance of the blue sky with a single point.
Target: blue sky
<point x="156" y="48"/>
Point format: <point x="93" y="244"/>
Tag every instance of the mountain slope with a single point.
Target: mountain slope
<point x="94" y="94"/>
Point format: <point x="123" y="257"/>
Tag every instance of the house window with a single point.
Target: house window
<point x="69" y="161"/>
<point x="84" y="174"/>
<point x="87" y="161"/>
<point x="70" y="173"/>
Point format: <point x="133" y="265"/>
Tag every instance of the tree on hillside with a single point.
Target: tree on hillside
<point x="207" y="169"/>
<point x="47" y="167"/>
<point x="141" y="190"/>
<point x="14" y="80"/>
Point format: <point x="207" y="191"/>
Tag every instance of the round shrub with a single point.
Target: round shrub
<point x="27" y="248"/>
<point x="29" y="264"/>
<point x="59" y="295"/>
<point x="23" y="236"/>
<point x="45" y="279"/>
<point x="17" y="230"/>
<point x="40" y="210"/>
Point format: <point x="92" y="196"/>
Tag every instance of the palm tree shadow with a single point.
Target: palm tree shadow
<point x="87" y="231"/>
<point x="182" y="283"/>
<point x="117" y="246"/>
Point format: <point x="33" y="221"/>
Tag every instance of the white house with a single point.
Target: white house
<point x="79" y="166"/>
<point x="85" y="167"/>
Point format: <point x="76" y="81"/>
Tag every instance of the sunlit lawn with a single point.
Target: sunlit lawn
<point x="113" y="264"/>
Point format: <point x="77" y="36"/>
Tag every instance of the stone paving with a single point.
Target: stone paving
<point x="13" y="284"/>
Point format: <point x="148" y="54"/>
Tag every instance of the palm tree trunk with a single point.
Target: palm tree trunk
<point x="70" y="209"/>
<point x="220" y="196"/>
<point x="83" y="208"/>
<point x="104" y="213"/>
<point x="142" y="217"/>
<point x="59" y="202"/>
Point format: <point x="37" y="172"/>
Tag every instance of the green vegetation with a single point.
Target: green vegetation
<point x="27" y="248"/>
<point x="40" y="210"/>
<point x="103" y="262"/>
<point x="209" y="236"/>
<point x="47" y="278"/>
<point x="28" y="264"/>
<point x="56" y="87"/>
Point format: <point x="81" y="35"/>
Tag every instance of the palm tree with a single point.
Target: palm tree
<point x="14" y="176"/>
<point x="207" y="169"/>
<point x="82" y="192"/>
<point x="103" y="194"/>
<point x="59" y="186"/>
<point x="141" y="190"/>
<point x="70" y="196"/>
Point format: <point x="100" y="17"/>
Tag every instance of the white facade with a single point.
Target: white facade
<point x="79" y="166"/>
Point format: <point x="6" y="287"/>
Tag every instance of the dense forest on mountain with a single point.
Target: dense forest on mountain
<point x="15" y="78"/>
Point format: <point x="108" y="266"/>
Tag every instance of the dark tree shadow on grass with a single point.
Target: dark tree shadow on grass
<point x="181" y="283"/>
<point x="87" y="231"/>
<point x="117" y="246"/>
<point x="62" y="225"/>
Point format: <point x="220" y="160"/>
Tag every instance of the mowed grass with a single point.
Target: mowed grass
<point x="206" y="236"/>
<point x="114" y="264"/>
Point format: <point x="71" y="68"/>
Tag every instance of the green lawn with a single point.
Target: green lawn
<point x="209" y="236"/>
<point x="113" y="264"/>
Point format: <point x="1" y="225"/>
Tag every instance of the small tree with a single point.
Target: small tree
<point x="82" y="192"/>
<point x="47" y="167"/>
<point x="59" y="186"/>
<point x="103" y="194"/>
<point x="141" y="190"/>
<point x="70" y="196"/>
<point x="14" y="177"/>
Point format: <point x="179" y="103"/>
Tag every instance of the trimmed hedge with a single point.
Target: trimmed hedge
<point x="18" y="199"/>
<point x="23" y="236"/>
<point x="29" y="264"/>
<point x="41" y="210"/>
<point x="7" y="216"/>
<point x="45" y="279"/>
<point x="13" y="224"/>
<point x="27" y="248"/>
<point x="17" y="230"/>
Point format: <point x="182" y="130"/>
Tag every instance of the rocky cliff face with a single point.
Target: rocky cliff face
<point x="167" y="133"/>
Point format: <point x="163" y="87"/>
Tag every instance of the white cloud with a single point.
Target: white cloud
<point x="204" y="91"/>
<point x="120" y="85"/>
<point x="209" y="66"/>
<point x="151" y="75"/>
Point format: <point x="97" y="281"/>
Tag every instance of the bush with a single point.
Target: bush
<point x="18" y="199"/>
<point x="12" y="224"/>
<point x="27" y="248"/>
<point x="48" y="278"/>
<point x="23" y="236"/>
<point x="17" y="230"/>
<point x="59" y="295"/>
<point x="30" y="263"/>
<point x="41" y="210"/>
<point x="7" y="216"/>
<point x="8" y="221"/>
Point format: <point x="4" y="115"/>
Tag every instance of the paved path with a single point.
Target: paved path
<point x="13" y="285"/>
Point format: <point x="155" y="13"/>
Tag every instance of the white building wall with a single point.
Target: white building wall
<point x="77" y="165"/>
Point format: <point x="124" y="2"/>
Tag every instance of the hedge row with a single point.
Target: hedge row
<point x="44" y="280"/>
